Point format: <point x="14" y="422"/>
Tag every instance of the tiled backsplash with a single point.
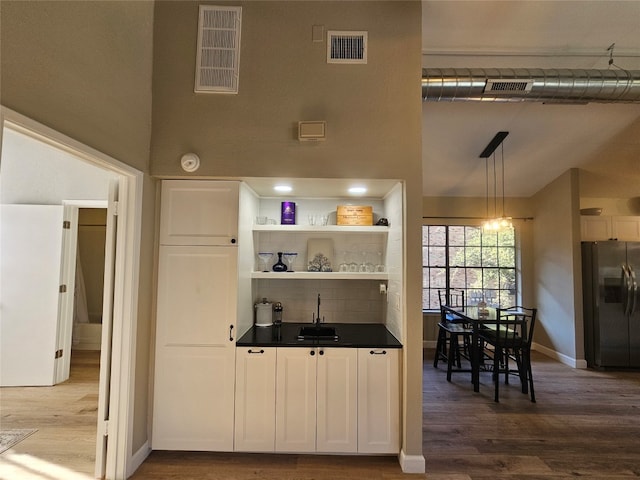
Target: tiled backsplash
<point x="342" y="301"/>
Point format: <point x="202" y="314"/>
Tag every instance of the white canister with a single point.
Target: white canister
<point x="264" y="314"/>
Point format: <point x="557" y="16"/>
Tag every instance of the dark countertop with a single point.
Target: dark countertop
<point x="353" y="335"/>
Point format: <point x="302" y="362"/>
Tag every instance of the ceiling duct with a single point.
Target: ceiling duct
<point x="530" y="85"/>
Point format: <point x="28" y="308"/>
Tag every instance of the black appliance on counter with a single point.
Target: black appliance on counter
<point x="611" y="301"/>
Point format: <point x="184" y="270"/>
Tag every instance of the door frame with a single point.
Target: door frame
<point x="127" y="265"/>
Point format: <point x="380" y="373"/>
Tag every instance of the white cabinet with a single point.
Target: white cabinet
<point x="625" y="228"/>
<point x="195" y="348"/>
<point x="607" y="227"/>
<point x="255" y="412"/>
<point x="337" y="400"/>
<point x="199" y="212"/>
<point x="194" y="378"/>
<point x="316" y="400"/>
<point x="378" y="400"/>
<point x="595" y="228"/>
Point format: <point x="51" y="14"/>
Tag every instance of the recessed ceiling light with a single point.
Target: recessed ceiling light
<point x="282" y="188"/>
<point x="357" y="190"/>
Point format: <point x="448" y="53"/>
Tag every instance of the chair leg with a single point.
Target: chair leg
<point x="439" y="346"/>
<point x="530" y="375"/>
<point x="497" y="354"/>
<point x="452" y="352"/>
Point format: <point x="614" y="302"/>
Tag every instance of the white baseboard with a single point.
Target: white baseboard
<point x="412" y="463"/>
<point x="562" y="358"/>
<point x="428" y="344"/>
<point x="138" y="458"/>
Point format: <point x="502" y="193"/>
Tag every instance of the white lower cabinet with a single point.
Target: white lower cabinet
<point x="378" y="400"/>
<point x="316" y="400"/>
<point x="255" y="415"/>
<point x="328" y="400"/>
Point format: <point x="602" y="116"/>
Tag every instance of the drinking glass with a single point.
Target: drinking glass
<point x="290" y="257"/>
<point x="264" y="258"/>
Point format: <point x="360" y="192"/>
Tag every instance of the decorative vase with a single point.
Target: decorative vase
<point x="279" y="266"/>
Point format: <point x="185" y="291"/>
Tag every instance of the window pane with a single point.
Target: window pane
<point x="508" y="279"/>
<point x="490" y="278"/>
<point x="437" y="278"/>
<point x="458" y="278"/>
<point x="437" y="256"/>
<point x="506" y="237"/>
<point x="456" y="256"/>
<point x="489" y="238"/>
<point x="425" y="256"/>
<point x="507" y="257"/>
<point x="456" y="236"/>
<point x="474" y="236"/>
<point x="437" y="235"/>
<point x="474" y="258"/>
<point x="489" y="257"/>
<point x="474" y="278"/>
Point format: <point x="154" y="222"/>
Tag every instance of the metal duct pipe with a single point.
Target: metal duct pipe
<point x="530" y="85"/>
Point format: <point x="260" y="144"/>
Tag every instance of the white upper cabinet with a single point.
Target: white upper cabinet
<point x="199" y="212"/>
<point x="607" y="227"/>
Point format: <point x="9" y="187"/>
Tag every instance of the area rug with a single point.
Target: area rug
<point x="10" y="438"/>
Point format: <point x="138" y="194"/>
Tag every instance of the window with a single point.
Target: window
<point x="481" y="263"/>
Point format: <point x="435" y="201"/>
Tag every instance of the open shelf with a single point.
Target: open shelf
<point x="321" y="275"/>
<point x="316" y="228"/>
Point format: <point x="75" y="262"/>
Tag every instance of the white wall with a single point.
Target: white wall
<point x="33" y="172"/>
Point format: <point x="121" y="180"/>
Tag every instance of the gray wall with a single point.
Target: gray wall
<point x="557" y="266"/>
<point x="84" y="69"/>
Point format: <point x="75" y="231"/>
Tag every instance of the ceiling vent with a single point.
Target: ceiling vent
<point x="218" y="58"/>
<point x="508" y="86"/>
<point x="346" y="47"/>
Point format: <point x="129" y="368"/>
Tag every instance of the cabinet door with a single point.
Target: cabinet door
<point x="296" y="400"/>
<point x="378" y="400"/>
<point x="255" y="426"/>
<point x="195" y="349"/>
<point x="595" y="228"/>
<point x="337" y="400"/>
<point x="199" y="212"/>
<point x="625" y="229"/>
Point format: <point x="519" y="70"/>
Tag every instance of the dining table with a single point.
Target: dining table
<point x="478" y="317"/>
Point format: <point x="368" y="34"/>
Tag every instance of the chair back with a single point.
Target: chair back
<point x="455" y="298"/>
<point x="514" y="326"/>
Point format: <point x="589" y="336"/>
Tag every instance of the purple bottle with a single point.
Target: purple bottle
<point x="288" y="213"/>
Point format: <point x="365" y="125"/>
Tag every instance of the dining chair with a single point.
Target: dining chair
<point x="511" y="338"/>
<point x="453" y="333"/>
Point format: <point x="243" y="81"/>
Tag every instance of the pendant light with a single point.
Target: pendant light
<point x="496" y="223"/>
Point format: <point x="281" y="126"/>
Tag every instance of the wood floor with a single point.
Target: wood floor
<point x="585" y="424"/>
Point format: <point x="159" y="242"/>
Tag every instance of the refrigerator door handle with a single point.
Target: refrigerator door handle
<point x="626" y="289"/>
<point x="635" y="290"/>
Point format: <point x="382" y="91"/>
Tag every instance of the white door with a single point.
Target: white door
<point x="378" y="400"/>
<point x="195" y="348"/>
<point x="104" y="387"/>
<point x="255" y="412"/>
<point x="296" y="400"/>
<point x="68" y="282"/>
<point x="31" y="249"/>
<point x="337" y="400"/>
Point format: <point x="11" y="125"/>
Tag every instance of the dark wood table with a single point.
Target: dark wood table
<point x="478" y="319"/>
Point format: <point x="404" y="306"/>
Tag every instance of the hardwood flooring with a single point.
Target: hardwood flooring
<point x="585" y="424"/>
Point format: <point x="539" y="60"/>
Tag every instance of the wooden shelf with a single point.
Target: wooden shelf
<point x="321" y="275"/>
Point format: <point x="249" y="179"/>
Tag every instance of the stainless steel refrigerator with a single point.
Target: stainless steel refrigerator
<point x="611" y="272"/>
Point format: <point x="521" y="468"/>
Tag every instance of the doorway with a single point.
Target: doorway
<point x="113" y="459"/>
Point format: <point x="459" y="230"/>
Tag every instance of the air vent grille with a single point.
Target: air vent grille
<point x="346" y="47"/>
<point x="218" y="58"/>
<point x="508" y="86"/>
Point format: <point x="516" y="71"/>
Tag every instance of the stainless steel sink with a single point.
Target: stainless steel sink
<point x="317" y="333"/>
